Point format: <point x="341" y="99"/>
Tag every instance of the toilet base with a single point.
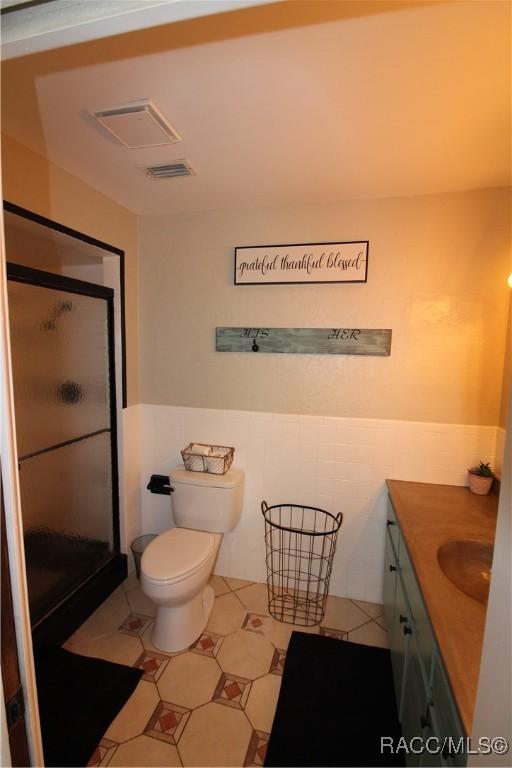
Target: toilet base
<point x="177" y="627"/>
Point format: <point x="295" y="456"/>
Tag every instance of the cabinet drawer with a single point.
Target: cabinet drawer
<point x="393" y="529"/>
<point x="419" y="618"/>
<point x="448" y="721"/>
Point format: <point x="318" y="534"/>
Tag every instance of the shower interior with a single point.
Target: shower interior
<point x="63" y="346"/>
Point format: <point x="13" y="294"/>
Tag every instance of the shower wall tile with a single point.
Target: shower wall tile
<point x="339" y="464"/>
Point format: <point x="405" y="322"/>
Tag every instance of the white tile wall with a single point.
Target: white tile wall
<point x="339" y="464"/>
<point x="130" y="478"/>
<point x="500" y="449"/>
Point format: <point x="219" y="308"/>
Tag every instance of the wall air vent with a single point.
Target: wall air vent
<point x="170" y="170"/>
<point x="139" y="124"/>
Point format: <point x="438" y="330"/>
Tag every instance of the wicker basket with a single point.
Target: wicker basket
<point x="201" y="457"/>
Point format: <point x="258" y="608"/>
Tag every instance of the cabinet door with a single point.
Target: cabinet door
<point x="447" y="715"/>
<point x="393" y="528"/>
<point x="399" y="641"/>
<point x="390" y="579"/>
<point x="433" y="754"/>
<point x="414" y="714"/>
<point x="422" y="630"/>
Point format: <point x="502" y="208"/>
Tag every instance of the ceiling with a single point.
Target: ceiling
<point x="29" y="26"/>
<point x="290" y="103"/>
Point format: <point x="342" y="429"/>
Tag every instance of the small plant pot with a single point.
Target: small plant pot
<point x="479" y="484"/>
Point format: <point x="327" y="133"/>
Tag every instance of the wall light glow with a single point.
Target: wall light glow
<point x="510" y="280"/>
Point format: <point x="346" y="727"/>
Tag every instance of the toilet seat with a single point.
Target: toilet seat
<point x="177" y="554"/>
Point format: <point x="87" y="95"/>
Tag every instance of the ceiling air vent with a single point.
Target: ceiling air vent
<point x="139" y="124"/>
<point x="170" y="170"/>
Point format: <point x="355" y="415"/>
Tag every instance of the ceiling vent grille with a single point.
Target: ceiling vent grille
<point x="170" y="170"/>
<point x="137" y="125"/>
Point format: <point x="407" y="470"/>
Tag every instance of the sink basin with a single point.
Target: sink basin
<point x="468" y="566"/>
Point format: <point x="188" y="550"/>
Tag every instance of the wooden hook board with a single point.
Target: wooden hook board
<point x="305" y="341"/>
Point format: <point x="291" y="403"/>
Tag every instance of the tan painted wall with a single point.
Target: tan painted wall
<point x="437" y="276"/>
<point x="30" y="181"/>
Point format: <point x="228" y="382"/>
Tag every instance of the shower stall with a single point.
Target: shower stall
<point x="65" y="404"/>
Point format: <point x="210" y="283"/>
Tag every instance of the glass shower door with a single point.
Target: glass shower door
<point x="61" y="341"/>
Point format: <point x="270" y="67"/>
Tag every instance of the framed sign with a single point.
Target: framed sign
<point x="344" y="262"/>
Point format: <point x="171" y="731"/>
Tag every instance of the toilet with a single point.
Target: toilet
<point x="176" y="566"/>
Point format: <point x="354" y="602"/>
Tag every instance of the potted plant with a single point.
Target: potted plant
<point x="480" y="478"/>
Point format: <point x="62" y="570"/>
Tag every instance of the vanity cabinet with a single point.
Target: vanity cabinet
<point x="424" y="699"/>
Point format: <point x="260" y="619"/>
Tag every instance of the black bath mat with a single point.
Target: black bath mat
<point x="336" y="701"/>
<point x="78" y="699"/>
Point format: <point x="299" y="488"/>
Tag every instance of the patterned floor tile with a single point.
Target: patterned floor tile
<point x="167" y="722"/>
<point x="279" y="633"/>
<point x="147" y="641"/>
<point x="235" y="584"/>
<point x="370" y="634"/>
<point x="105" y="619"/>
<point x="131" y="582"/>
<point x="189" y="680"/>
<point x="215" y="736"/>
<point x="262" y="702"/>
<point x="219" y="585"/>
<point x="131" y="720"/>
<point x="256" y="622"/>
<point x="139" y="603"/>
<point x="208" y="644"/>
<point x="102" y="753"/>
<point x="227" y="614"/>
<point x="217" y="698"/>
<point x="257" y="749"/>
<point x="245" y="654"/>
<point x="343" y="614"/>
<point x="152" y="664"/>
<point x="135" y="624"/>
<point x="145" y="751"/>
<point x="374" y="610"/>
<point x="336" y="633"/>
<point x="254" y="598"/>
<point x="232" y="691"/>
<point x="116" y="647"/>
<point x="277" y="663"/>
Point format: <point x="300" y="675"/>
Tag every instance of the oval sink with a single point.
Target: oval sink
<point x="468" y="566"/>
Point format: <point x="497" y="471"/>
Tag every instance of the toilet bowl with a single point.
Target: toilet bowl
<point x="176" y="566"/>
<point x="175" y="570"/>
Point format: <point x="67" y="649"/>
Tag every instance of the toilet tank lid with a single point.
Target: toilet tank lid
<point x="231" y="479"/>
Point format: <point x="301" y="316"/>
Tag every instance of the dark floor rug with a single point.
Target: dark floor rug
<point x="336" y="701"/>
<point x="78" y="699"/>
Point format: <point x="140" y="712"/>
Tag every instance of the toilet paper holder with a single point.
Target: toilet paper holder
<point x="160" y="484"/>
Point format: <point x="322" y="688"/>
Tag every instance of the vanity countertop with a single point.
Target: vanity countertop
<point x="430" y="515"/>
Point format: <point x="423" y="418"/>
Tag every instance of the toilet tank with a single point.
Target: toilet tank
<point x="206" y="502"/>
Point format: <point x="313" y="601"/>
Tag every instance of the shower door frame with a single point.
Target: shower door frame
<point x="67" y="615"/>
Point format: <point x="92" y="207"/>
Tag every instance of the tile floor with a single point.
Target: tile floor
<point x="213" y="704"/>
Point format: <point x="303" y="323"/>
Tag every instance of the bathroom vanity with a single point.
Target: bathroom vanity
<point x="437" y="568"/>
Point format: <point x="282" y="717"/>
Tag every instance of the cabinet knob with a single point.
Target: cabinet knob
<point x="403" y="618"/>
<point x="390" y="522"/>
<point x="392" y="568"/>
<point x="407" y="630"/>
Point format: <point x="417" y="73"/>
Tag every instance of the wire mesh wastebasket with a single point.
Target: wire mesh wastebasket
<point x="300" y="546"/>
